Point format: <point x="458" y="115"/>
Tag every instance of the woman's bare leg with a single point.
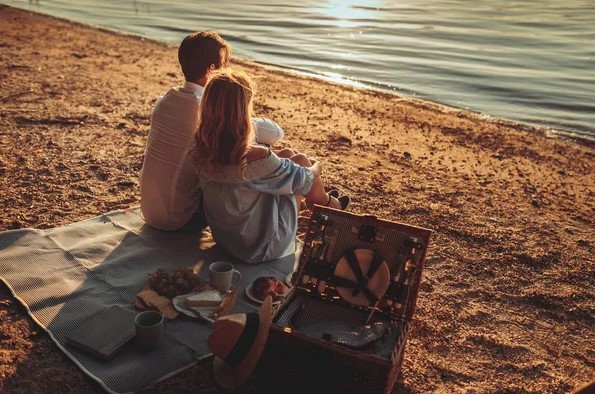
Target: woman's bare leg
<point x="317" y="193"/>
<point x="286" y="153"/>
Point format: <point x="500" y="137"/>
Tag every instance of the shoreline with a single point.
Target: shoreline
<point x="547" y="132"/>
<point x="583" y="139"/>
<point x="550" y="132"/>
<point x="506" y="299"/>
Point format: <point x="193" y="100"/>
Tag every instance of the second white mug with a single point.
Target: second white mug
<point x="222" y="274"/>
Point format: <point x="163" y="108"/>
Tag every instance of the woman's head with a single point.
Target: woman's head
<point x="225" y="127"/>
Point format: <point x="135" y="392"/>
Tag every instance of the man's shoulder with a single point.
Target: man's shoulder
<point x="175" y="101"/>
<point x="178" y="92"/>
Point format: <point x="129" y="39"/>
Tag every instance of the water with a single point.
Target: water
<point x="531" y="61"/>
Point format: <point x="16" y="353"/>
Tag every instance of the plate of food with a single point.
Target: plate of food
<point x="264" y="286"/>
<point x="198" y="304"/>
<point x="207" y="304"/>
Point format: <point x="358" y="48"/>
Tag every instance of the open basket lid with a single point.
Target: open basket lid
<point x="362" y="261"/>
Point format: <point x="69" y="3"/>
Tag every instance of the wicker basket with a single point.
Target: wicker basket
<point x="348" y="335"/>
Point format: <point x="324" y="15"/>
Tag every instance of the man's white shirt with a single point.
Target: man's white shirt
<point x="169" y="183"/>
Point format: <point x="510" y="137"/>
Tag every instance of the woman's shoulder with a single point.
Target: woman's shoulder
<point x="257" y="152"/>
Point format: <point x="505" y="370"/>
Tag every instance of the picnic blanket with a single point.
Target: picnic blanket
<point x="66" y="275"/>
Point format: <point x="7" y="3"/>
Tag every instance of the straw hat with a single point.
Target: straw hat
<point x="237" y="342"/>
<point x="361" y="286"/>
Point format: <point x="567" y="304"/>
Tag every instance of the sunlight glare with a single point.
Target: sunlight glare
<point x="348" y="12"/>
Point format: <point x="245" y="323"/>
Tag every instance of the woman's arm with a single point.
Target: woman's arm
<point x="256" y="152"/>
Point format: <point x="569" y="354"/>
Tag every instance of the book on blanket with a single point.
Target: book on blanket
<point x="105" y="333"/>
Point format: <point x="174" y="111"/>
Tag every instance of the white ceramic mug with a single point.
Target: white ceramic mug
<point x="149" y="328"/>
<point x="221" y="274"/>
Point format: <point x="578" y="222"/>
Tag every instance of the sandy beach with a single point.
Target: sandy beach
<point x="506" y="303"/>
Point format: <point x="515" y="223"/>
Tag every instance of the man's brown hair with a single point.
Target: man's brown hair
<point x="201" y="49"/>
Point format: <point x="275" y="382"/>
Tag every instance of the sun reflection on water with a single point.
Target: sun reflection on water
<point x="351" y="16"/>
<point x="335" y="78"/>
<point x="350" y="13"/>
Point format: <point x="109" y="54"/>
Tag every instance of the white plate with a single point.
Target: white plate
<point x="377" y="284"/>
<point x="250" y="294"/>
<point x="203" y="311"/>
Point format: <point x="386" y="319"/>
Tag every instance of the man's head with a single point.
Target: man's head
<point x="202" y="52"/>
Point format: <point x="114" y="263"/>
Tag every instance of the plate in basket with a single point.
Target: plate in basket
<point x="376" y="285"/>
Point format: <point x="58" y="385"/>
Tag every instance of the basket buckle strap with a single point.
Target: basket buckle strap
<point x="362" y="281"/>
<point x="342" y="282"/>
<point x="370" y="296"/>
<point x="376" y="261"/>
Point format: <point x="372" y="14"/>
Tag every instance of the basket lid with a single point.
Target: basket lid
<point x="362" y="261"/>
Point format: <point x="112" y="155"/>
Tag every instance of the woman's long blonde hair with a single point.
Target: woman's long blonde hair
<point x="224" y="130"/>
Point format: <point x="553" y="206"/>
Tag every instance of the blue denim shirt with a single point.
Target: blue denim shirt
<point x="254" y="218"/>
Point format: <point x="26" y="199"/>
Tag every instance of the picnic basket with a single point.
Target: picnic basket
<point x="340" y="329"/>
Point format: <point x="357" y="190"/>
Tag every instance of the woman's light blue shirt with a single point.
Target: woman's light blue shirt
<point x="254" y="218"/>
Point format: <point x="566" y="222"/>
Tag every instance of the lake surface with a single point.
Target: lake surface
<point x="531" y="61"/>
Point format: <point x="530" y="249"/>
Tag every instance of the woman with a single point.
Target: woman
<point x="250" y="194"/>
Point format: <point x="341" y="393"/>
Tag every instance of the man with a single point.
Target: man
<point x="170" y="190"/>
